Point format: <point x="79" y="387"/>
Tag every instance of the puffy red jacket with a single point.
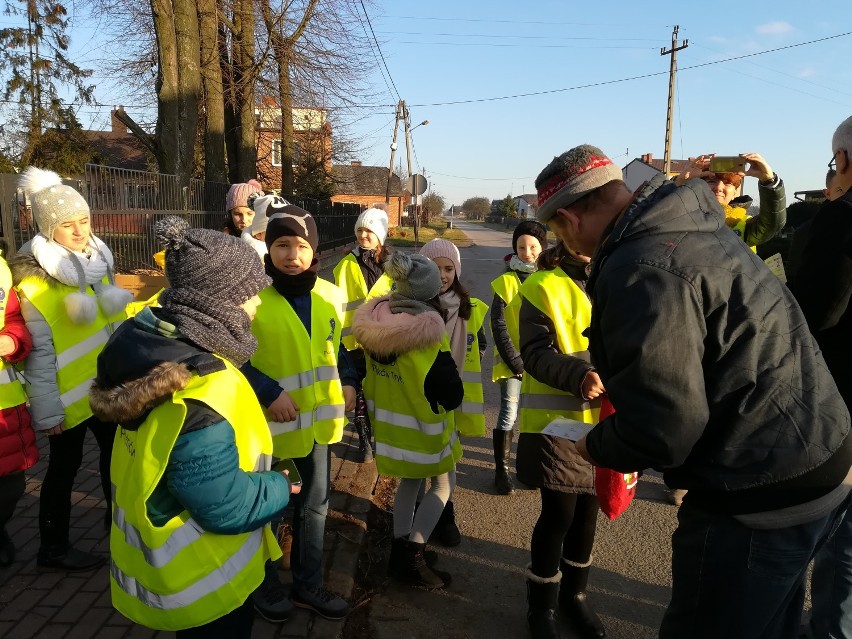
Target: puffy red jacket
<point x="18" y="450"/>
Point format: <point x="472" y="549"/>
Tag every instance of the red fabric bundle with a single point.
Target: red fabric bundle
<point x="615" y="490"/>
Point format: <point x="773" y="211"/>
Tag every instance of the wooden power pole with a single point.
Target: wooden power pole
<point x="399" y="109"/>
<point x="667" y="154"/>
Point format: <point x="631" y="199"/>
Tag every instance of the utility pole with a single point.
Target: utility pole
<point x="667" y="154"/>
<point x="410" y="174"/>
<point x="399" y="108"/>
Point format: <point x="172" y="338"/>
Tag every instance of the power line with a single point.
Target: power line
<point x="523" y="37"/>
<point x="516" y="22"/>
<point x="376" y="57"/>
<point x="515" y="46"/>
<point x="636" y="77"/>
<point x="379" y="49"/>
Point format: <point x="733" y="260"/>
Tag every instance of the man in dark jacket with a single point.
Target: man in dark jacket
<point x="822" y="285"/>
<point x="718" y="383"/>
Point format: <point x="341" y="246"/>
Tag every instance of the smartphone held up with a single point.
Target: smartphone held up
<point x="292" y="472"/>
<point x="727" y="164"/>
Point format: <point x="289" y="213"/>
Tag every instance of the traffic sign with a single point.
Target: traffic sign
<point x="416" y="184"/>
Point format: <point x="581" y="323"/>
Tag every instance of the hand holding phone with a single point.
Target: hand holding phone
<point x="288" y="468"/>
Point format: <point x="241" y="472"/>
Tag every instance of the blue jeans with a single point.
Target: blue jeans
<point x="310" y="507"/>
<point x="510" y="391"/>
<point x="736" y="582"/>
<point x="831" y="585"/>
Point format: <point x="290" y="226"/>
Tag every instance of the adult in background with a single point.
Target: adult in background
<point x="64" y="277"/>
<point x="772" y="216"/>
<point x="240" y="214"/>
<point x="717" y="382"/>
<point x="822" y="285"/>
<point x="194" y="494"/>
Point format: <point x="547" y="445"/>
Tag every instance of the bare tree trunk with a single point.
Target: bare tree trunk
<point x="230" y="94"/>
<point x="246" y="150"/>
<point x="214" y="102"/>
<point x="285" y="99"/>
<point x="178" y="85"/>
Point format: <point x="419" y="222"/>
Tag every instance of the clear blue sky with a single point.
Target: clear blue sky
<point x="784" y="105"/>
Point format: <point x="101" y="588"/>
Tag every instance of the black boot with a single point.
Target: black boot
<point x="542" y="595"/>
<point x="446" y="530"/>
<point x="398" y="552"/>
<point x="408" y="565"/>
<point x="573" y="600"/>
<point x="365" y="450"/>
<point x="7" y="549"/>
<point x="68" y="558"/>
<point x="502" y="449"/>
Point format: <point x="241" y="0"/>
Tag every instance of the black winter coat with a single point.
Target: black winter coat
<point x="822" y="285"/>
<point x="545" y="461"/>
<point x="708" y="361"/>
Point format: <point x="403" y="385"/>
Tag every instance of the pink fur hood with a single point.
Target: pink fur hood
<point x="381" y="332"/>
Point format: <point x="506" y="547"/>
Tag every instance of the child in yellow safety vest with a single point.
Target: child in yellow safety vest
<point x="412" y="388"/>
<point x="360" y="275"/>
<point x="465" y="320"/>
<point x="64" y="277"/>
<point x="194" y="489"/>
<point x="302" y="376"/>
<point x="528" y="240"/>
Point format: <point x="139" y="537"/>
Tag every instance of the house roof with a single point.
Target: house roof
<point x="364" y="180"/>
<point x="677" y="166"/>
<point x="120" y="151"/>
<point x="530" y="198"/>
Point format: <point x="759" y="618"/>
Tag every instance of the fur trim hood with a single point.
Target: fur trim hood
<point x="125" y="403"/>
<point x="381" y="332"/>
<point x="24" y="265"/>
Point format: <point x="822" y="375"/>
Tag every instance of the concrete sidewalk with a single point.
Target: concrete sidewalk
<point x="37" y="603"/>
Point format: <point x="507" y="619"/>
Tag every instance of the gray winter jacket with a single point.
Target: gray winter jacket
<point x="708" y="361"/>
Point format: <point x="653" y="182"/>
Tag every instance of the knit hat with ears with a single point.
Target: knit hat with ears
<point x="415" y="277"/>
<point x="239" y="194"/>
<point x="52" y="202"/>
<point x="529" y="227"/>
<point x="567" y="178"/>
<point x="260" y="205"/>
<point x="442" y="248"/>
<point x="374" y="220"/>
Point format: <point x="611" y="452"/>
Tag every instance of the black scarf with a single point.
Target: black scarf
<point x="291" y="286"/>
<point x="215" y="325"/>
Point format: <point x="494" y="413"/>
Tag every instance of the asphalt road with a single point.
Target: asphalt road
<point x="630" y="581"/>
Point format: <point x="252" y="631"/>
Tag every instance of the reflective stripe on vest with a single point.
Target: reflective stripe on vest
<point x="506" y="286"/>
<point x="177" y="575"/>
<point x="470" y="416"/>
<point x="349" y="278"/>
<point x="215" y="580"/>
<point x="558" y="297"/>
<point x="305" y="366"/>
<point x="76" y="345"/>
<point x="411" y="440"/>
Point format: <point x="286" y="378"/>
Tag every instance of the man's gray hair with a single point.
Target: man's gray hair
<point x="842" y="138"/>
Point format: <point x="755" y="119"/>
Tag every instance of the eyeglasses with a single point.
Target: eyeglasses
<point x="832" y="165"/>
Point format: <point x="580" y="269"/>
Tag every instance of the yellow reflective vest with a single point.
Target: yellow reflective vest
<point x="411" y="441"/>
<point x="305" y="366"/>
<point x="178" y="575"/>
<point x="350" y="279"/>
<point x="11" y="390"/>
<point x="470" y="416"/>
<point x="559" y="298"/>
<point x="506" y="286"/>
<point x="77" y="346"/>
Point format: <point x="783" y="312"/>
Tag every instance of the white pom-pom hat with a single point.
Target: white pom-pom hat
<point x="52" y="202"/>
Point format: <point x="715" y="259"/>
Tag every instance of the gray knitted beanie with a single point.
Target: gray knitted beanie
<point x="570" y="176"/>
<point x="51" y="201"/>
<point x="217" y="265"/>
<point x="415" y="276"/>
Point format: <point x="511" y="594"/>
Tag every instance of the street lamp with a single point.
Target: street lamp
<point x="424" y="123"/>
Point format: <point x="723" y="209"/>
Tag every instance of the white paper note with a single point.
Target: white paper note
<point x="567" y="429"/>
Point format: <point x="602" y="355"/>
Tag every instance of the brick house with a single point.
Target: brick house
<point x="312" y="140"/>
<point x="645" y="167"/>
<point x="366" y="185"/>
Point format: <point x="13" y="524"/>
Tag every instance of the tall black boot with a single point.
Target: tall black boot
<point x="573" y="600"/>
<point x="542" y="595"/>
<point x="502" y="450"/>
<point x="446" y="530"/>
<point x="365" y="449"/>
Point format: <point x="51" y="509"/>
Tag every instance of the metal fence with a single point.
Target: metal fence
<point x="125" y="204"/>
